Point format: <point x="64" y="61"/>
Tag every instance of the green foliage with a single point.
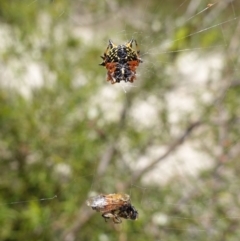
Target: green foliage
<point x="74" y="133"/>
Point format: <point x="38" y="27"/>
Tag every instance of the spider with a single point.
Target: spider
<point x="121" y="61"/>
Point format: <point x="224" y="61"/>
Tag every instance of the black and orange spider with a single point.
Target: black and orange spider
<point x="121" y="61"/>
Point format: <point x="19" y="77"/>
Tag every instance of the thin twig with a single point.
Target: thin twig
<point x="172" y="148"/>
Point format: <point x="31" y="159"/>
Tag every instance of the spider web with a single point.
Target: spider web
<point x="191" y="72"/>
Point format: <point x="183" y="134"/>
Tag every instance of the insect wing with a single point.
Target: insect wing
<point x="97" y="203"/>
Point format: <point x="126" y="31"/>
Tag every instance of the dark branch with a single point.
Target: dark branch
<point x="172" y="148"/>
